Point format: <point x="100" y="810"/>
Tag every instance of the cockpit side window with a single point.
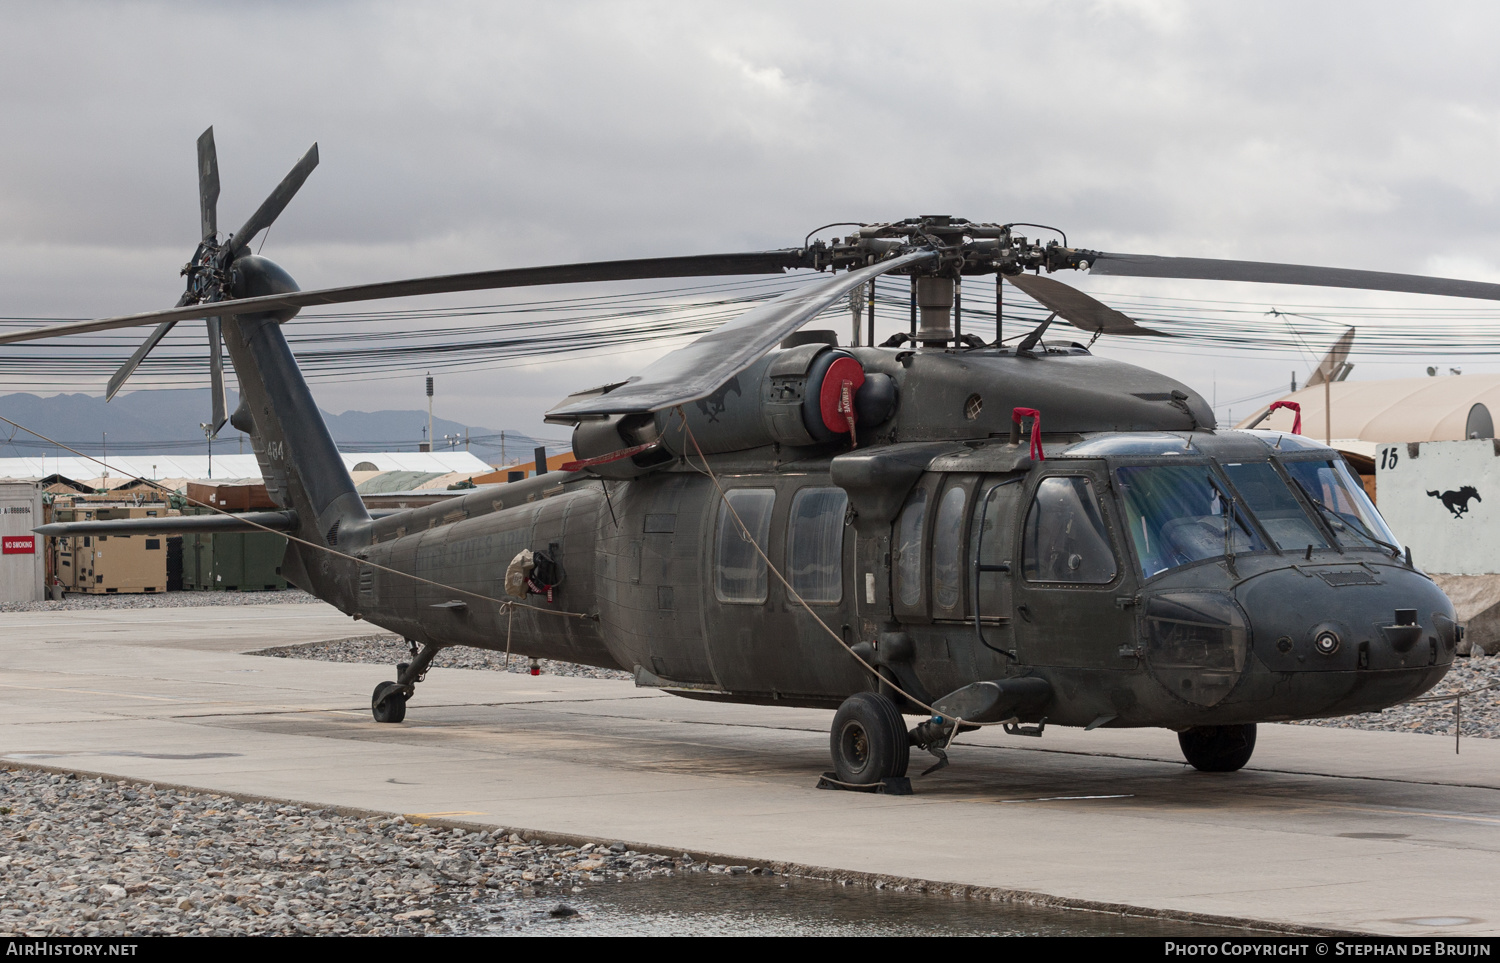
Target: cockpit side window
<point x="1065" y="538"/>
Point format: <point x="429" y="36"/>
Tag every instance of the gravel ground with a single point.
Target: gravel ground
<point x="77" y="602"/>
<point x="1481" y="712"/>
<point x="389" y="650"/>
<point x="92" y="857"/>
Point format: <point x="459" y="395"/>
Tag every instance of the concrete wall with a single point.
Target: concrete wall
<point x="1452" y="531"/>
<point x="1457" y="541"/>
<point x="22" y="562"/>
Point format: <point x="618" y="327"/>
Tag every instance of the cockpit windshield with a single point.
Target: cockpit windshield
<point x="1343" y="503"/>
<point x="1272" y="503"/>
<point x="1181" y="513"/>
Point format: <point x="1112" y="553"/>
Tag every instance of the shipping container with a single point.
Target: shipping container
<point x="109" y="564"/>
<point x="22" y="552"/>
<point x="233" y="562"/>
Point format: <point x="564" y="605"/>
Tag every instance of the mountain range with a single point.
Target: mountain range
<point x="168" y="420"/>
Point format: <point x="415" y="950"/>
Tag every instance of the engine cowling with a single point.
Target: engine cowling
<point x="808" y="395"/>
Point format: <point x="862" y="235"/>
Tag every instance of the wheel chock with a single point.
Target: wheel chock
<point x="890" y="786"/>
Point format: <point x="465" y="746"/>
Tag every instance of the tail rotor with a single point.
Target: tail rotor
<point x="209" y="275"/>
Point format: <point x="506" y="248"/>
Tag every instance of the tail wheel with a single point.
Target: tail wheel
<point x="1218" y="748"/>
<point x="388" y="703"/>
<point x="868" y="740"/>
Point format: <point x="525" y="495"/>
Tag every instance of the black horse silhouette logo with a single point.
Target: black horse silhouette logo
<point x="1458" y="502"/>
<point x="714" y="404"/>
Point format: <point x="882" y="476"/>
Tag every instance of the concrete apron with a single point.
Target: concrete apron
<point x="1338" y="829"/>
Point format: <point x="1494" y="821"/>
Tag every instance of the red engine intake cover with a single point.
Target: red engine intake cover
<point x="836" y="404"/>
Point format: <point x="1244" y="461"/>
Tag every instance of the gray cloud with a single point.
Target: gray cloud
<point x="467" y="135"/>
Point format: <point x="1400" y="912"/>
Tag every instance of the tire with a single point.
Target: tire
<point x="388" y="703"/>
<point x="868" y="740"/>
<point x="1218" y="748"/>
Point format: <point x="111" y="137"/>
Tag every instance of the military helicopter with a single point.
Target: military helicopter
<point x="967" y="531"/>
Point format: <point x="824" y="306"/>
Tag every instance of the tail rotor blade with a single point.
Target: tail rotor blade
<point x="128" y="368"/>
<point x="273" y="205"/>
<point x="216" y="376"/>
<point x="208" y="185"/>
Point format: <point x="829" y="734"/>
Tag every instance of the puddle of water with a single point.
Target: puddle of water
<point x="716" y="905"/>
<point x="123" y="752"/>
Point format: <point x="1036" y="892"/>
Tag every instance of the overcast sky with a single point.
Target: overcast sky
<point x="463" y="136"/>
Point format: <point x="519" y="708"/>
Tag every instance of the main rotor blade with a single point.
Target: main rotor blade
<point x="706" y="365"/>
<point x="272" y="206"/>
<point x="1265" y="272"/>
<point x="1077" y="308"/>
<point x="702" y="265"/>
<point x="208" y="185"/>
<point x="216" y="376"/>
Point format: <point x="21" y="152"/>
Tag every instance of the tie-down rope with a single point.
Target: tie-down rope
<point x="797" y="596"/>
<point x="1458" y="707"/>
<point x="507" y="603"/>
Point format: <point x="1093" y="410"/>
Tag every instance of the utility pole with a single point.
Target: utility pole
<point x="1328" y="403"/>
<point x="429" y="411"/>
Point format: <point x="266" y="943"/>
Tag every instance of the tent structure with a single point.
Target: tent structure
<point x="1446" y="408"/>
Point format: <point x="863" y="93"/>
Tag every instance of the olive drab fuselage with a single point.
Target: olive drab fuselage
<point x="745" y="515"/>
<point x="939" y="550"/>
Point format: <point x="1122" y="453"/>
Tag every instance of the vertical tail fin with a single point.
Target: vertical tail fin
<point x="301" y="465"/>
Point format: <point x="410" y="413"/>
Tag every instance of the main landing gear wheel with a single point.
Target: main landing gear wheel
<point x="868" y="740"/>
<point x="1218" y="748"/>
<point x="388" y="704"/>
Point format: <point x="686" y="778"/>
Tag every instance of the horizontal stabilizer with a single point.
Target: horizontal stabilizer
<point x="176" y="525"/>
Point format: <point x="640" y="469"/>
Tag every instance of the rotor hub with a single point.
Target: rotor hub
<point x="208" y="275"/>
<point x="963" y="247"/>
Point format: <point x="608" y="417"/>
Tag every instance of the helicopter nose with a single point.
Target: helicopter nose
<point x="1348" y="618"/>
<point x="1351" y="637"/>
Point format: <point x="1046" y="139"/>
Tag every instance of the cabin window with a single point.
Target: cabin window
<point x="909" y="547"/>
<point x="947" y="550"/>
<point x="815" y="543"/>
<point x="1065" y="539"/>
<point x="991" y="532"/>
<point x="740" y="572"/>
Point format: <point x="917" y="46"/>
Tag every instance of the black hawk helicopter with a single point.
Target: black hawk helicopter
<point x="976" y="533"/>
